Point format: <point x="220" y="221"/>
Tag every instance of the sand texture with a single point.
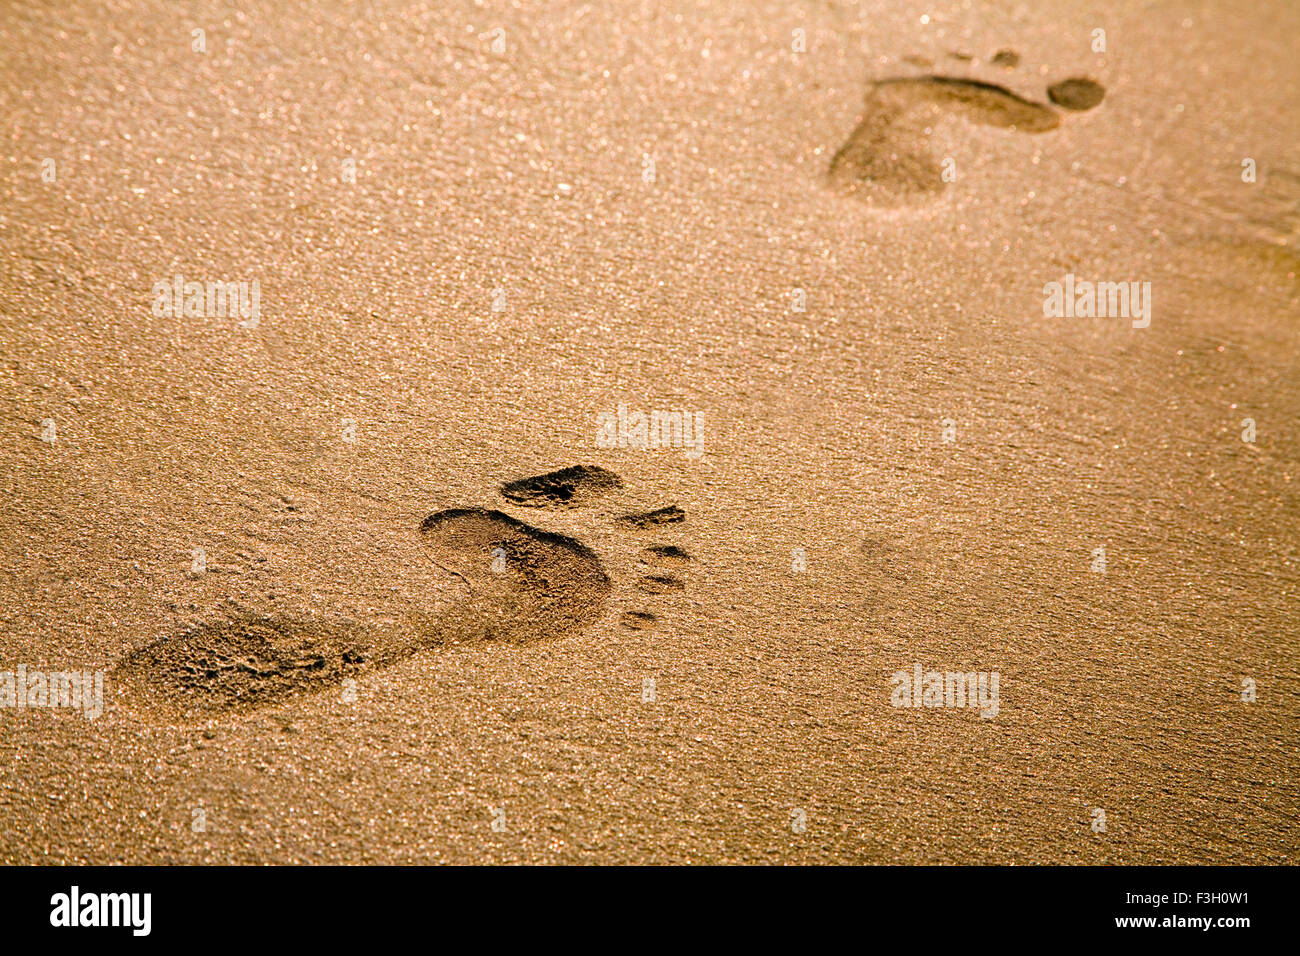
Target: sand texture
<point x="377" y="572"/>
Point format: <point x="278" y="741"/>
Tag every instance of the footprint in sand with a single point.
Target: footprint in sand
<point x="519" y="584"/>
<point x="885" y="160"/>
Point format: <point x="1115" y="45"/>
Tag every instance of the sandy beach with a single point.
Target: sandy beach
<point x="604" y="404"/>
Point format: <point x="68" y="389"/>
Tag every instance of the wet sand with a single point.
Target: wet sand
<point x="336" y="622"/>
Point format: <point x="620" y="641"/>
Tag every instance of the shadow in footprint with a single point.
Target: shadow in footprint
<point x="885" y="160"/>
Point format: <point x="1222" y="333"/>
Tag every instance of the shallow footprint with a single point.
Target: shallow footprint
<point x="245" y="663"/>
<point x="885" y="159"/>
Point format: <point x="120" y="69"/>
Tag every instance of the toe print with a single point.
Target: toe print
<point x="1076" y="94"/>
<point x="568" y="487"/>
<point x="649" y="519"/>
<point x="660" y="583"/>
<point x="657" y="560"/>
<point x="668" y="555"/>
